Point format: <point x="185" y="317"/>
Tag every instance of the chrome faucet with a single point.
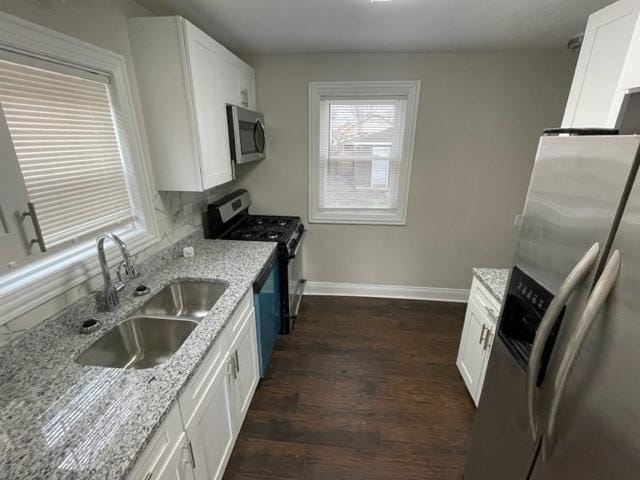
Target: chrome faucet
<point x="131" y="269"/>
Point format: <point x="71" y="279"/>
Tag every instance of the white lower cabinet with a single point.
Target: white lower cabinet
<point x="477" y="338"/>
<point x="160" y="458"/>
<point x="247" y="368"/>
<point x="196" y="439"/>
<point x="179" y="465"/>
<point x="211" y="429"/>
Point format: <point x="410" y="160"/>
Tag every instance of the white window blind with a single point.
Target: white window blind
<point x="63" y="132"/>
<point x="361" y="152"/>
<point x="361" y="147"/>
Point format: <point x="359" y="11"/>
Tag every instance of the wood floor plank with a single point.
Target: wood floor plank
<point x="362" y="389"/>
<point x="266" y="459"/>
<point x="311" y="429"/>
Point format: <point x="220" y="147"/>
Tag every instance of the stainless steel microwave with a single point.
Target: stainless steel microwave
<point x="246" y="134"/>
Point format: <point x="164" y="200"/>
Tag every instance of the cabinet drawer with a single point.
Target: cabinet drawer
<point x="235" y="323"/>
<point x="484" y="300"/>
<point x="197" y="386"/>
<point x="160" y="447"/>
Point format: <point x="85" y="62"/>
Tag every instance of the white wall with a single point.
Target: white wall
<point x="103" y="23"/>
<point x="478" y="125"/>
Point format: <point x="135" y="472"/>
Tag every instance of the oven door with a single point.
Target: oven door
<point x="246" y="134"/>
<point x="296" y="280"/>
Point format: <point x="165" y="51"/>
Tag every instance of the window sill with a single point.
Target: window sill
<point x="372" y="189"/>
<point x="30" y="286"/>
<point x="358" y="218"/>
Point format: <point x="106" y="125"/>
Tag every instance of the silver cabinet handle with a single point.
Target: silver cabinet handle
<point x="570" y="283"/>
<point x="237" y="362"/>
<point x="487" y="339"/>
<point x="598" y="297"/>
<point x="484" y="329"/>
<point x="193" y="457"/>
<point x="3" y="222"/>
<point x="245" y="97"/>
<point x="31" y="212"/>
<point x="231" y="367"/>
<point x="148" y="476"/>
<point x="234" y="368"/>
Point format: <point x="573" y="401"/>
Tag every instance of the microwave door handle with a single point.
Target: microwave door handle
<point x="570" y="283"/>
<point x="258" y="127"/>
<point x="235" y="122"/>
<point x="596" y="301"/>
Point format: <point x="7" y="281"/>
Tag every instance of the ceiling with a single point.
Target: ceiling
<point x="330" y="26"/>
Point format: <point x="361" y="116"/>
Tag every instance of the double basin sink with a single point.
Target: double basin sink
<point x="157" y="329"/>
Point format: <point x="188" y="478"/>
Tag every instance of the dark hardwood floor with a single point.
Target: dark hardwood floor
<point x="363" y="389"/>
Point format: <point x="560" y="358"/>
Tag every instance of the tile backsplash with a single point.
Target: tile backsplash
<point x="178" y="214"/>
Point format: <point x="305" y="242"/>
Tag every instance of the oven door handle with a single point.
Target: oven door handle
<point x="298" y="245"/>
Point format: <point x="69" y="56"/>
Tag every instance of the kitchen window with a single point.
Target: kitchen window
<point x="65" y="142"/>
<point x="360" y="150"/>
<point x="72" y="163"/>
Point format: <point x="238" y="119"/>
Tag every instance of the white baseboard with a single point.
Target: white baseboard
<point x="387" y="291"/>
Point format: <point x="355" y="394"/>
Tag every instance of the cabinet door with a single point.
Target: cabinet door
<point x="471" y="355"/>
<point x="253" y="93"/>
<point x="486" y="345"/>
<point x="211" y="430"/>
<point x="205" y="63"/>
<point x="602" y="56"/>
<point x="239" y="83"/>
<point x="246" y="381"/>
<point x="231" y="79"/>
<point x="247" y="88"/>
<point x="161" y="450"/>
<point x="178" y="466"/>
<point x="15" y="230"/>
<point x="631" y="72"/>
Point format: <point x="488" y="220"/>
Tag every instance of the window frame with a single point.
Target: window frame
<point x="317" y="90"/>
<point x="37" y="282"/>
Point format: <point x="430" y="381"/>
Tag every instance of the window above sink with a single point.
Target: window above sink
<point x="74" y="164"/>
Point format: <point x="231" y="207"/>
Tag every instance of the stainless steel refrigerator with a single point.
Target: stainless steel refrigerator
<point x="561" y="397"/>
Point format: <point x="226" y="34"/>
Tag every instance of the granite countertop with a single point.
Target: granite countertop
<point x="61" y="420"/>
<point x="495" y="279"/>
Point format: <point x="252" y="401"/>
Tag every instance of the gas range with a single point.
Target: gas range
<point x="229" y="219"/>
<point x="264" y="228"/>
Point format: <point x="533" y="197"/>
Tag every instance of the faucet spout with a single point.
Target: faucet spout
<point x="111" y="291"/>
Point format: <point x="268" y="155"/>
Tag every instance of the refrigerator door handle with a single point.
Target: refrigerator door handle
<point x="596" y="301"/>
<point x="570" y="283"/>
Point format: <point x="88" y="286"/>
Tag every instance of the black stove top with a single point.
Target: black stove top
<point x="264" y="228"/>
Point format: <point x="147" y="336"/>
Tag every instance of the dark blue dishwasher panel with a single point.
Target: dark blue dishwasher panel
<point x="266" y="292"/>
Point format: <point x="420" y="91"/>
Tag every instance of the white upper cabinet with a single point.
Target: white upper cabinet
<point x="630" y="79"/>
<point x="597" y="89"/>
<point x="13" y="202"/>
<point x="205" y="68"/>
<point x="185" y="79"/>
<point x="247" y="87"/>
<point x="239" y="83"/>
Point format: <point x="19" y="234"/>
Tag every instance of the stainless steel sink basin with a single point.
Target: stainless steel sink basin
<point x="138" y="342"/>
<point x="185" y="298"/>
